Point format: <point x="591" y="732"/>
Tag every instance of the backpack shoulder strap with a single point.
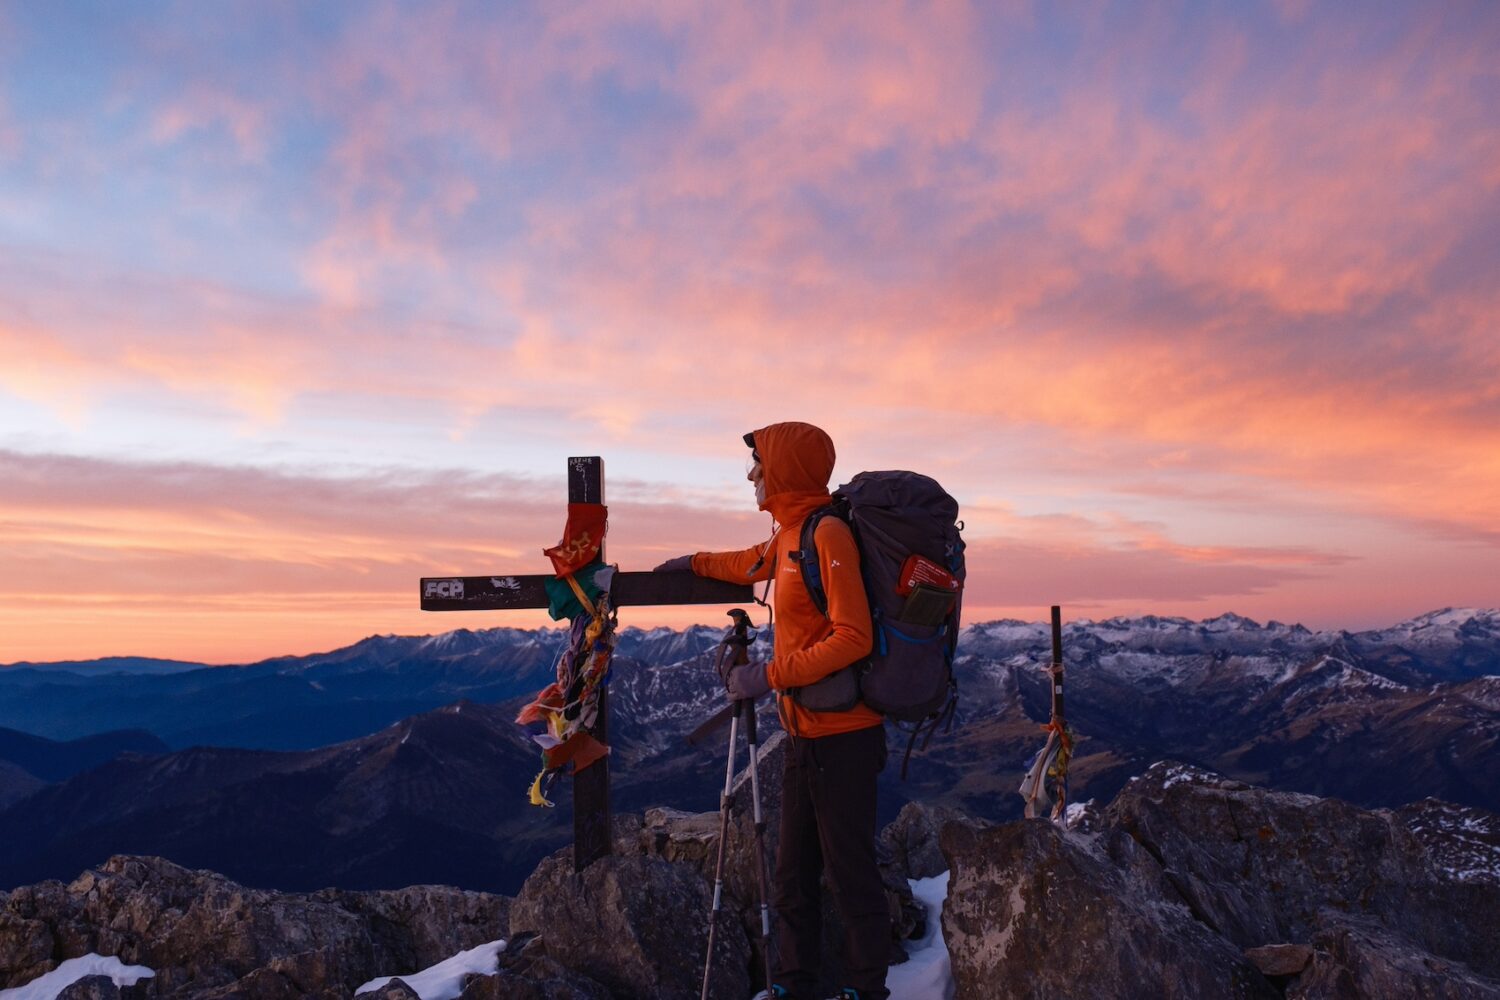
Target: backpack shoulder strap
<point x="807" y="559"/>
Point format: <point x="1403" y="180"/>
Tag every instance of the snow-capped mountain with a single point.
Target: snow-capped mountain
<point x="1380" y="718"/>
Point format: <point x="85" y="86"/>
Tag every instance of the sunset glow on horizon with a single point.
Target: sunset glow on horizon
<point x="1193" y="308"/>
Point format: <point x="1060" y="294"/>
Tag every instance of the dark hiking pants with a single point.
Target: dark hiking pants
<point x="828" y="821"/>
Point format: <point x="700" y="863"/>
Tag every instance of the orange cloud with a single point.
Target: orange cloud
<point x="96" y="552"/>
<point x="1103" y="263"/>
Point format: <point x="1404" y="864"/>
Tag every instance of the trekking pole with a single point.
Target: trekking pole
<point x="742" y="655"/>
<point x="734" y="724"/>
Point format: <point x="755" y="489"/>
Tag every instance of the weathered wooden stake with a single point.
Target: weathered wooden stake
<point x="591" y="816"/>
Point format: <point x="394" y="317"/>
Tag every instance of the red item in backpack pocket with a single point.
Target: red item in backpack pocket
<point x="917" y="570"/>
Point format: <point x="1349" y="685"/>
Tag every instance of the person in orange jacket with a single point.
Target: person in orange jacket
<point x="834" y="757"/>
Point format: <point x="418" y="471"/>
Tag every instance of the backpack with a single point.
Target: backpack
<point x="912" y="561"/>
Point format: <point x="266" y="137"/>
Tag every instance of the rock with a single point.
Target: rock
<point x="527" y="972"/>
<point x="1357" y="959"/>
<point x="427" y="923"/>
<point x="911" y="839"/>
<point x="396" y="989"/>
<point x="1194" y="885"/>
<point x="208" y="937"/>
<point x="104" y="988"/>
<point x="1280" y="959"/>
<point x="26" y="946"/>
<point x="90" y="988"/>
<point x="1034" y="912"/>
<point x="637" y="925"/>
<point x="1462" y="841"/>
<point x="1261" y="867"/>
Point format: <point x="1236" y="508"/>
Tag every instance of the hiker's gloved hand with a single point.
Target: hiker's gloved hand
<point x="682" y="564"/>
<point x="746" y="680"/>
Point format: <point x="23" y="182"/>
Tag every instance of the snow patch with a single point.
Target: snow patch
<point x="927" y="974"/>
<point x="69" y="972"/>
<point x="445" y="980"/>
<point x="1008" y="628"/>
<point x="1017" y="908"/>
<point x="1177" y="776"/>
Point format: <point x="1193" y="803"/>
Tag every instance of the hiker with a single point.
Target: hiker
<point x="833" y="757"/>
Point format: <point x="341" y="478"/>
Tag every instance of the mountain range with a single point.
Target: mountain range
<point x="395" y="761"/>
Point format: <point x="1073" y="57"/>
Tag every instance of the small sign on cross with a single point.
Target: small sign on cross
<point x="591" y="823"/>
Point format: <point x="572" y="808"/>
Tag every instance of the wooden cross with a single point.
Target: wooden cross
<point x="591" y="824"/>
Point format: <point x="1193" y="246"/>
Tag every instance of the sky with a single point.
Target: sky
<point x="1192" y="306"/>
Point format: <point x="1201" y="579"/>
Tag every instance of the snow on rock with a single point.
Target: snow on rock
<point x="927" y="974"/>
<point x="1177" y="774"/>
<point x="1463" y="842"/>
<point x="1443" y="627"/>
<point x="445" y="980"/>
<point x="1229" y="621"/>
<point x="69" y="972"/>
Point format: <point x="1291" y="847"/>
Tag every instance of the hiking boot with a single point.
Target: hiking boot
<point x="774" y="993"/>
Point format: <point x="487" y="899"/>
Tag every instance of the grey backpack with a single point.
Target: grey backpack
<point x="912" y="560"/>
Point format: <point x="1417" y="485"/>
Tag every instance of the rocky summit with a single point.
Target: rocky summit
<point x="1188" y="884"/>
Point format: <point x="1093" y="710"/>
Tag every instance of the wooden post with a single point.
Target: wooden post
<point x="591" y="816"/>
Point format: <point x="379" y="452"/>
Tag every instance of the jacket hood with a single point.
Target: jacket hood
<point x="797" y="460"/>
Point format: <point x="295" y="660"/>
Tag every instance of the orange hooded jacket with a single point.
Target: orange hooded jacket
<point x="797" y="460"/>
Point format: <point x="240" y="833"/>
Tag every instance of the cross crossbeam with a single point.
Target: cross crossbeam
<point x="514" y="593"/>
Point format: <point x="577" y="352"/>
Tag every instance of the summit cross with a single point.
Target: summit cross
<point x="510" y="592"/>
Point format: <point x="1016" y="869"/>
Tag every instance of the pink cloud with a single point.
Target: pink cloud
<point x="184" y="542"/>
<point x="214" y="548"/>
<point x="202" y="110"/>
<point x="1136" y="264"/>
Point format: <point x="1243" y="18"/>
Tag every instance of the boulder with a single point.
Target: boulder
<point x="1264" y="867"/>
<point x="1035" y="912"/>
<point x="1280" y="959"/>
<point x="1358" y="959"/>
<point x="909" y="845"/>
<point x="90" y="988"/>
<point x="396" y="989"/>
<point x="419" y="926"/>
<point x="208" y="937"/>
<point x="527" y="972"/>
<point x="26" y="945"/>
<point x="637" y="925"/>
<point x="1195" y="885"/>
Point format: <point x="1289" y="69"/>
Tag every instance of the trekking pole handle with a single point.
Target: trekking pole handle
<point x="1057" y="663"/>
<point x="741" y="642"/>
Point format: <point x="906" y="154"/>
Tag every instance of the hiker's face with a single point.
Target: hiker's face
<point x="757" y="475"/>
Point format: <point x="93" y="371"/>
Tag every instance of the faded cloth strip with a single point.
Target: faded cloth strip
<point x="564" y="599"/>
<point x="568" y="708"/>
<point x="581" y="539"/>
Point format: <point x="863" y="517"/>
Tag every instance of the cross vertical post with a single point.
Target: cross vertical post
<point x="591" y="817"/>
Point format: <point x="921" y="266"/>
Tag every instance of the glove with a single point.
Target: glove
<point x="682" y="564"/>
<point x="747" y="680"/>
